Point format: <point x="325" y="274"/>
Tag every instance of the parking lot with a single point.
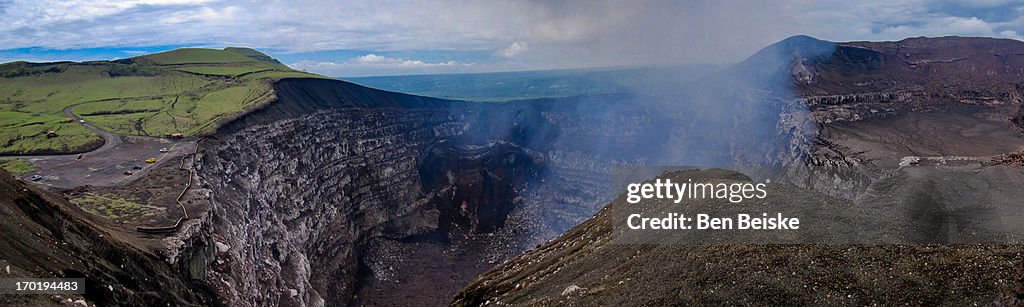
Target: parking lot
<point x="107" y="167"/>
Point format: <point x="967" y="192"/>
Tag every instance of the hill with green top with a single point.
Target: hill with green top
<point x="186" y="91"/>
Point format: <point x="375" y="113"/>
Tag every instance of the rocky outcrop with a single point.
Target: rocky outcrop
<point x="875" y="81"/>
<point x="298" y="197"/>
<point x="303" y="186"/>
<point x="875" y="105"/>
<point x="47" y="237"/>
<point x="864" y="80"/>
<point x="599" y="263"/>
<point x="305" y="189"/>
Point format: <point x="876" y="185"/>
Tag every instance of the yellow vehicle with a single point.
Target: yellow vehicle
<point x="151" y="160"/>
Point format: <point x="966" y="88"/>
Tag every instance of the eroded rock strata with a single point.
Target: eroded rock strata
<point x="924" y="131"/>
<point x="299" y="198"/>
<point x="309" y="191"/>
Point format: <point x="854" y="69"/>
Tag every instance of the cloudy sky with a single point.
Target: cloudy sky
<point x="355" y="38"/>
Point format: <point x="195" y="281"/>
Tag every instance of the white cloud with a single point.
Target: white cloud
<point x="1011" y="34"/>
<point x="50" y="11"/>
<point x="894" y="20"/>
<point x="206" y="15"/>
<point x="369" y="59"/>
<point x="530" y="34"/>
<point x="939" y="27"/>
<point x="513" y="50"/>
<point x="373" y="59"/>
<point x="372" y="64"/>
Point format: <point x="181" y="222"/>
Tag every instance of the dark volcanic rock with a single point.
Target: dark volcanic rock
<point x="873" y="82"/>
<point x="44" y="236"/>
<point x="303" y="187"/>
<point x="871" y="79"/>
<point x="590" y="265"/>
<point x="308" y="191"/>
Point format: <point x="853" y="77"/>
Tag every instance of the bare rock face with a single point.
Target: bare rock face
<point x="44" y="236"/>
<point x="298" y="197"/>
<point x="304" y="196"/>
<point x="862" y="80"/>
<point x="863" y="83"/>
<point x="311" y="193"/>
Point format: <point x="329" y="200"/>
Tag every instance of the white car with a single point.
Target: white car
<point x="81" y="121"/>
<point x="165" y="149"/>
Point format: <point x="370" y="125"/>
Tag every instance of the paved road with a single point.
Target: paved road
<point x="109" y="139"/>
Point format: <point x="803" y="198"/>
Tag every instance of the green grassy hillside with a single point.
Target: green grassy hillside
<point x="187" y="90"/>
<point x="197" y="56"/>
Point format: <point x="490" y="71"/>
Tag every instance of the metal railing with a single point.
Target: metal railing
<point x="184" y="211"/>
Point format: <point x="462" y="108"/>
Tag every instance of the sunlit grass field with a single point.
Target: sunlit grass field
<point x="16" y="166"/>
<point x="186" y="91"/>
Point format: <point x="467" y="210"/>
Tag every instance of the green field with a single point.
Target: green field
<point x="229" y="71"/>
<point x="186" y="90"/>
<point x="118" y="209"/>
<point x="16" y="166"/>
<point x="198" y="56"/>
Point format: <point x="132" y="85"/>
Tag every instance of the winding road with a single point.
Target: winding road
<point x="109" y="139"/>
<point x="107" y="164"/>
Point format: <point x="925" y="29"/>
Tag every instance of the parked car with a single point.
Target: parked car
<point x="127" y="173"/>
<point x="136" y="167"/>
<point x="151" y="160"/>
<point x="37" y="177"/>
<point x="81" y="121"/>
<point x="165" y="149"/>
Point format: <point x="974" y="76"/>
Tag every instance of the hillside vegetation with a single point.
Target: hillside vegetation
<point x="187" y="91"/>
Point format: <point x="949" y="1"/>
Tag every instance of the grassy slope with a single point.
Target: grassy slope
<point x="198" y="56"/>
<point x="16" y="166"/>
<point x="186" y="90"/>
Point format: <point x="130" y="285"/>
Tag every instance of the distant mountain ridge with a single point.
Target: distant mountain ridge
<point x="507" y="86"/>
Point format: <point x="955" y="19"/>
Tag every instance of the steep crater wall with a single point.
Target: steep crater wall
<point x="302" y="186"/>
